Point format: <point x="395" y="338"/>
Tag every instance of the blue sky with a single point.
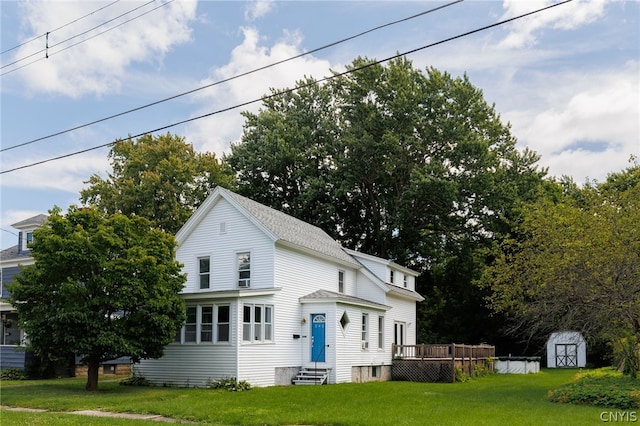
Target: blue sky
<point x="567" y="79"/>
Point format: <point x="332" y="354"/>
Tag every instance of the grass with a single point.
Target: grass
<point x="491" y="400"/>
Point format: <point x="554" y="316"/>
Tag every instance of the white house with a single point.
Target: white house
<point x="566" y="349"/>
<point x="269" y="296"/>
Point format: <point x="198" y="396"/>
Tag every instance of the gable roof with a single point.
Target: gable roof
<point x="36" y="220"/>
<point x="280" y="226"/>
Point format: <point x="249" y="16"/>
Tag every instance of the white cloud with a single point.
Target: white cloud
<point x="66" y="174"/>
<point x="582" y="124"/>
<point x="97" y="65"/>
<point x="217" y="132"/>
<point x="566" y="16"/>
<point x="257" y="9"/>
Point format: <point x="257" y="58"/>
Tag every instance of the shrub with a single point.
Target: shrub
<point x="461" y="376"/>
<point x="12" y="373"/>
<point x="135" y="380"/>
<point x="603" y="387"/>
<point x="231" y="384"/>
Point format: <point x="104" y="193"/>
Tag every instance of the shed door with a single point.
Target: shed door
<point x="318" y="337"/>
<point x="566" y="355"/>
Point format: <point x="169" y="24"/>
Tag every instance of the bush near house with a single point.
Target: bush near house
<point x="604" y="387"/>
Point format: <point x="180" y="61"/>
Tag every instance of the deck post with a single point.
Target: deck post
<point x="453" y="363"/>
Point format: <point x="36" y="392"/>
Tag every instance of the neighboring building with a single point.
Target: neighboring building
<point x="566" y="349"/>
<point x="272" y="299"/>
<point x="12" y="351"/>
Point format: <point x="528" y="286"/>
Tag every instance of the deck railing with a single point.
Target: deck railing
<point x="453" y="350"/>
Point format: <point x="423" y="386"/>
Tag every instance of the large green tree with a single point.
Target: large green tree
<point x="574" y="263"/>
<point x="160" y="177"/>
<point x="397" y="162"/>
<point x="102" y="287"/>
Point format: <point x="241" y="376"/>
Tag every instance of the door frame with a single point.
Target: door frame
<point x="318" y="331"/>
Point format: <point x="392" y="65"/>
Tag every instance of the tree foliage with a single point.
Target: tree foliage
<point x="102" y="287"/>
<point x="397" y="162"/>
<point x="574" y="263"/>
<point x="160" y="177"/>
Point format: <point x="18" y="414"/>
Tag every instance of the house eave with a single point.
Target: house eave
<point x="345" y="301"/>
<point x="230" y="294"/>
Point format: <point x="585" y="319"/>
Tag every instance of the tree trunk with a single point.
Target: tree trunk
<point x="93" y="366"/>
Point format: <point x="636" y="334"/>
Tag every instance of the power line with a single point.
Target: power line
<point x="59" y="28"/>
<point x="46" y="50"/>
<point x="280" y="93"/>
<point x="231" y="78"/>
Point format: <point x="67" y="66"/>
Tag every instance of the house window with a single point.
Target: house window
<point x="391" y="277"/>
<point x="380" y="332"/>
<point x="365" y="331"/>
<point x="206" y="324"/>
<point x="244" y="269"/>
<point x="223" y="228"/>
<point x="190" y="328"/>
<point x="223" y="323"/>
<point x="404" y="281"/>
<point x="344" y="320"/>
<point x="204" y="269"/>
<point x="202" y="322"/>
<point x="341" y="281"/>
<point x="29" y="238"/>
<point x="374" y="371"/>
<point x="257" y="323"/>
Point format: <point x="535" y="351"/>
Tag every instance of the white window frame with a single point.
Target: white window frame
<point x="340" y="281"/>
<point x="203" y="274"/>
<point x="254" y="329"/>
<point x="405" y="281"/>
<point x="365" y="331"/>
<point x="218" y="323"/>
<point x="391" y="276"/>
<point x="243" y="282"/>
<point x="380" y="332"/>
<point x="198" y="325"/>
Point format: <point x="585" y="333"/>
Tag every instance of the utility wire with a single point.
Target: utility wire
<point x="308" y="84"/>
<point x="46" y="50"/>
<point x="59" y="28"/>
<point x="230" y="78"/>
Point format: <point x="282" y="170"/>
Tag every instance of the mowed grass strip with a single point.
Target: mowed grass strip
<point x="492" y="400"/>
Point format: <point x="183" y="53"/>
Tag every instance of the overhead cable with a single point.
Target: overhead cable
<point x="47" y="49"/>
<point x="59" y="28"/>
<point x="280" y="93"/>
<point x="309" y="52"/>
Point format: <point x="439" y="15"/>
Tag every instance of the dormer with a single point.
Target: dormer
<point x="26" y="228"/>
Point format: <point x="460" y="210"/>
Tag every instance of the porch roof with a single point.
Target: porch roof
<point x="320" y="296"/>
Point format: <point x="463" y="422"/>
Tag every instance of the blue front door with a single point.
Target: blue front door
<point x="318" y="337"/>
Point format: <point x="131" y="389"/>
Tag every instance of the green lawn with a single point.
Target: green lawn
<point x="491" y="400"/>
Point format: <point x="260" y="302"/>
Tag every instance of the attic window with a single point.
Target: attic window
<point x="223" y="227"/>
<point x="344" y="320"/>
<point x="391" y="277"/>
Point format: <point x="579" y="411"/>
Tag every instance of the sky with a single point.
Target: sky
<point x="565" y="79"/>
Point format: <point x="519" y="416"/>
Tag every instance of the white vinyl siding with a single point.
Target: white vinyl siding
<point x="241" y="236"/>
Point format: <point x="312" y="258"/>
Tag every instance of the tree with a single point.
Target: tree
<point x="161" y="178"/>
<point x="574" y="263"/>
<point x="393" y="161"/>
<point x="102" y="286"/>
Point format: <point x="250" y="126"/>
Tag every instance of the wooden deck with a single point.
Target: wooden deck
<point x="438" y="363"/>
